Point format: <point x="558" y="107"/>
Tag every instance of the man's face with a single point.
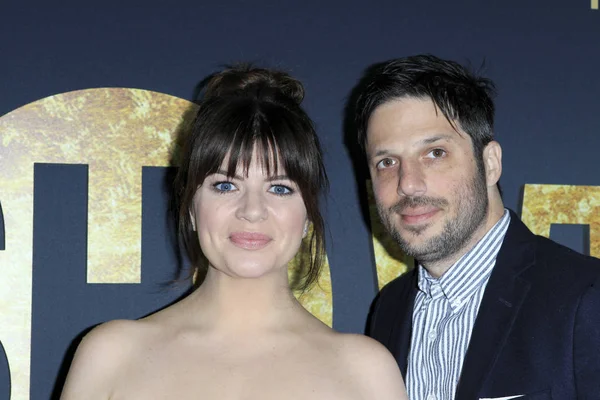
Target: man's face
<point x="430" y="191"/>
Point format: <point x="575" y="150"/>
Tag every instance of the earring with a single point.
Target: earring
<point x="305" y="232"/>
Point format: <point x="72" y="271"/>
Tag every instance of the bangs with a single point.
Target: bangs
<point x="281" y="142"/>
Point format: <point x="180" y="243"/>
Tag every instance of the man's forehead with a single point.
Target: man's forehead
<point x="414" y="119"/>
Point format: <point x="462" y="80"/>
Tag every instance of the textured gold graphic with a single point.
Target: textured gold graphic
<point x="115" y="132"/>
<point x="544" y="205"/>
<point x="390" y="261"/>
<point x="594" y="4"/>
<point x="318" y="298"/>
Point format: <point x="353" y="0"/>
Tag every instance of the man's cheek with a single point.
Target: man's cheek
<point x="384" y="190"/>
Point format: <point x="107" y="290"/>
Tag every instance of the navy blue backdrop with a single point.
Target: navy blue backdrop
<point x="542" y="54"/>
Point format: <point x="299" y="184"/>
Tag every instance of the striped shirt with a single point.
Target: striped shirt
<point x="444" y="315"/>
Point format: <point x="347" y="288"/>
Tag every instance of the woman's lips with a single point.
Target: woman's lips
<point x="417" y="216"/>
<point x="250" y="240"/>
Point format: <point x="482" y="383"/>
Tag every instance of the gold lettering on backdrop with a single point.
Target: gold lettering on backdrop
<point x="544" y="205"/>
<point x="115" y="132"/>
<point x="390" y="261"/>
<point x="318" y="299"/>
<point x="594" y="4"/>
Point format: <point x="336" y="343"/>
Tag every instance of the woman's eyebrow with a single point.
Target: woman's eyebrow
<point x="278" y="178"/>
<point x="224" y="173"/>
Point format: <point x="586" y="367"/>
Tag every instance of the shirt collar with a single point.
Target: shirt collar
<point x="470" y="272"/>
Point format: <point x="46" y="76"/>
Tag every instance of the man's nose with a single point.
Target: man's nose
<point x="411" y="180"/>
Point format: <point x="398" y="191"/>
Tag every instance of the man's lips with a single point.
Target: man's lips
<point x="417" y="215"/>
<point x="250" y="240"/>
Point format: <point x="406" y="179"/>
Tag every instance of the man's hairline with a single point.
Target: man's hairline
<point x="455" y="124"/>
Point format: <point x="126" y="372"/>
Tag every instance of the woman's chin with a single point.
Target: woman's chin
<point x="248" y="270"/>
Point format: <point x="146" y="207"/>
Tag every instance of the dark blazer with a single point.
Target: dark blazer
<point x="537" y="332"/>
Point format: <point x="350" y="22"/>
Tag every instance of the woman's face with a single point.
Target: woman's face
<point x="249" y="226"/>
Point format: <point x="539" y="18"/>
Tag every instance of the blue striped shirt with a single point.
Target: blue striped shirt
<point x="444" y="315"/>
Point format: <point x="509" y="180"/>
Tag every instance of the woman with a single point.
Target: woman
<point x="248" y="187"/>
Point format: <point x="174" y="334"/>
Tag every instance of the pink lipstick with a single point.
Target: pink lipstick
<point x="249" y="240"/>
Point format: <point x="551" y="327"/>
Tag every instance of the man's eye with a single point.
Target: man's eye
<point x="437" y="153"/>
<point x="281" y="190"/>
<point x="386" y="163"/>
<point x="224" y="186"/>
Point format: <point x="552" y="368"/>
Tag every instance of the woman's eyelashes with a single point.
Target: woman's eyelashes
<point x="281" y="190"/>
<point x="278" y="189"/>
<point x="224" y="187"/>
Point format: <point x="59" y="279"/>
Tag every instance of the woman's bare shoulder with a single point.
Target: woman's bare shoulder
<point x="372" y="365"/>
<point x="118" y="338"/>
<point x="358" y="348"/>
<point x="101" y="357"/>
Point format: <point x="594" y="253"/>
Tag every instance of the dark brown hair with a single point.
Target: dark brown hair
<point x="244" y="108"/>
<point x="464" y="98"/>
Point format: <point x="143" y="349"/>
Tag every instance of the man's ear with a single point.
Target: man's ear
<point x="492" y="161"/>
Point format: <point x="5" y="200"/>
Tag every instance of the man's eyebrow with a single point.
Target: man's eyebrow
<point x="426" y="141"/>
<point x="381" y="153"/>
<point x="437" y="138"/>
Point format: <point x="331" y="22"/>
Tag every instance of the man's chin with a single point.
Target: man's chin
<point x="418" y="237"/>
<point x="417" y="230"/>
<point x="412" y="242"/>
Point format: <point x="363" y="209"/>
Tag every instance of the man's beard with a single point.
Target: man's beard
<point x="471" y="208"/>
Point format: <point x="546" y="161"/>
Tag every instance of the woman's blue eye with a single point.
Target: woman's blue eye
<point x="280" y="190"/>
<point x="224" y="186"/>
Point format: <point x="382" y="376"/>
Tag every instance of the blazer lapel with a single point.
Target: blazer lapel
<point x="402" y="329"/>
<point x="499" y="307"/>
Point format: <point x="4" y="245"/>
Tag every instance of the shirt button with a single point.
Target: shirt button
<point x="431" y="396"/>
<point x="432" y="336"/>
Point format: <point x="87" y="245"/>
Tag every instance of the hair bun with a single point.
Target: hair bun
<point x="245" y="80"/>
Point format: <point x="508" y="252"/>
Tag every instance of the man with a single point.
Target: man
<point x="491" y="311"/>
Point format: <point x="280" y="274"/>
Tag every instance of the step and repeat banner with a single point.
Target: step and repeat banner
<point x="92" y="99"/>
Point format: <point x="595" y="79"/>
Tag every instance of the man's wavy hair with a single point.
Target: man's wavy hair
<point x="464" y="98"/>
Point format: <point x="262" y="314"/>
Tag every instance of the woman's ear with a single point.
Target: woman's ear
<point x="306" y="225"/>
<point x="193" y="220"/>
